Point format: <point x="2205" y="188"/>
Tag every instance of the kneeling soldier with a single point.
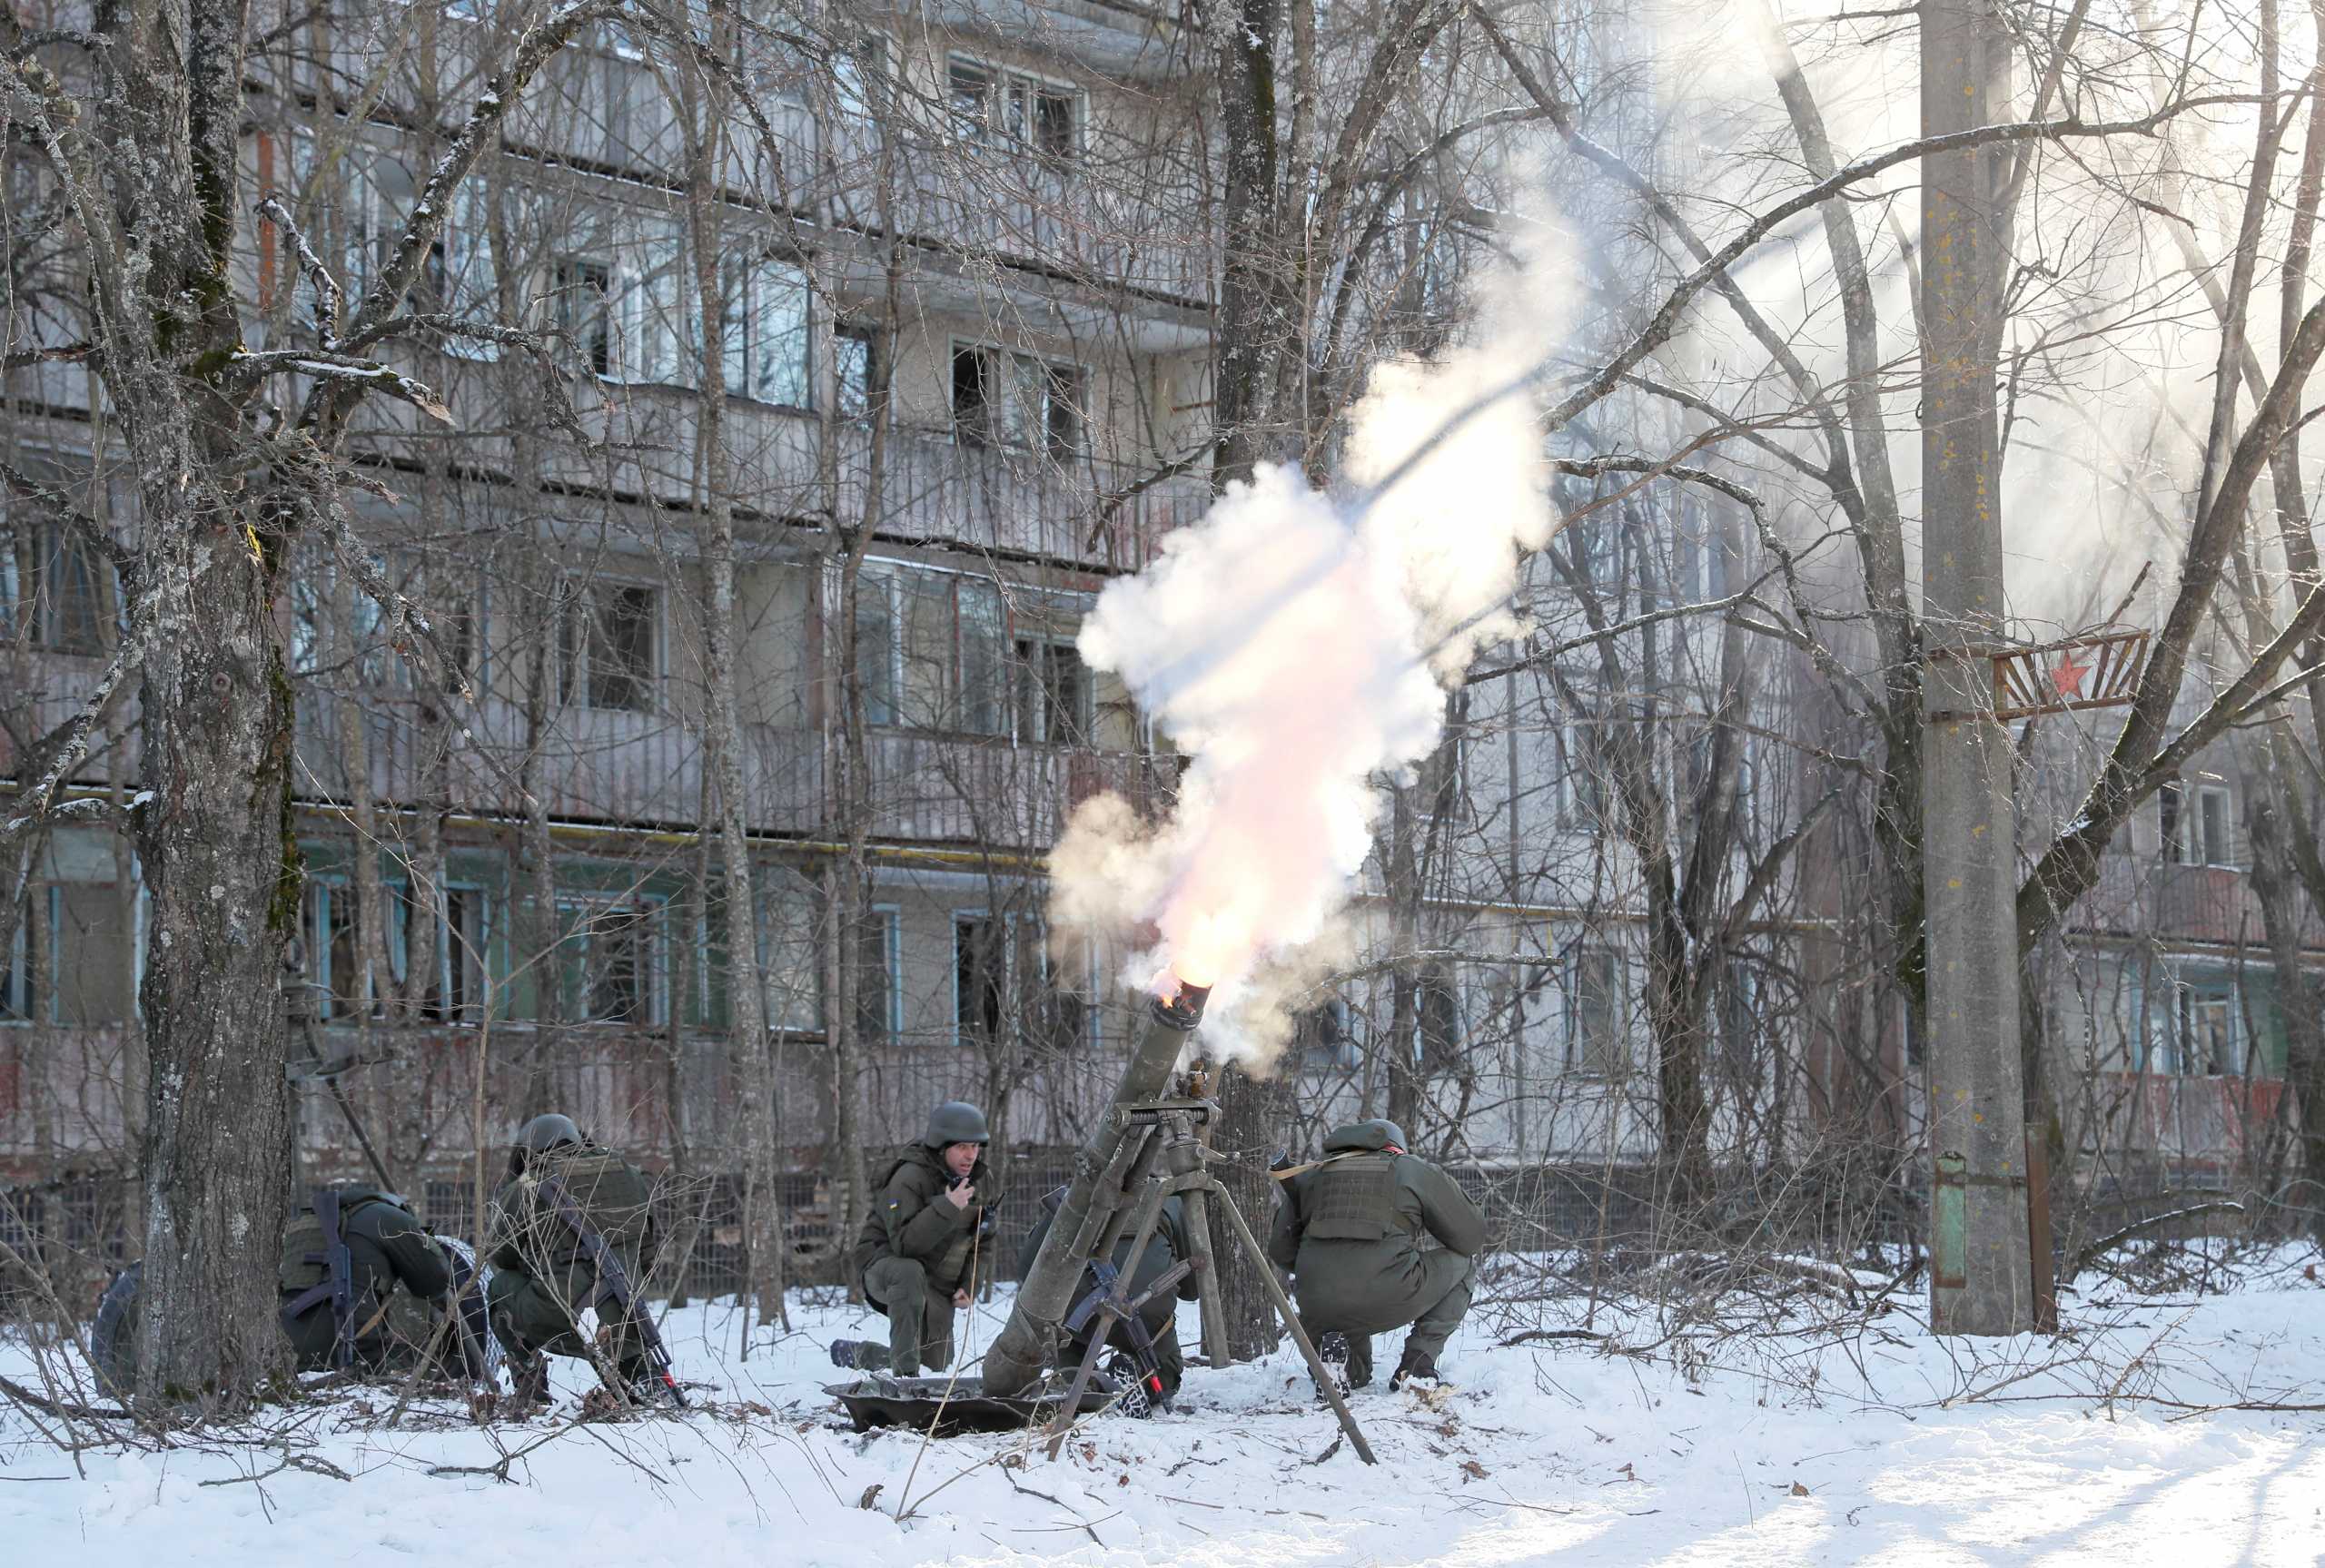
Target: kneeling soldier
<point x="916" y="1254"/>
<point x="1375" y="1240"/>
<point x="1159" y="1316"/>
<point x="565" y="1199"/>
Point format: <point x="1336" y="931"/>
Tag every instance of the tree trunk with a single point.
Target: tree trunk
<point x="1247" y="1135"/>
<point x="222" y="862"/>
<point x="763" y="1226"/>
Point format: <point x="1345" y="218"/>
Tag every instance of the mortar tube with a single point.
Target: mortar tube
<point x="1021" y="1351"/>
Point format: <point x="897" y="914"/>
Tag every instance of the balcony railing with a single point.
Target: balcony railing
<point x="625" y="767"/>
<point x="2208" y="1122"/>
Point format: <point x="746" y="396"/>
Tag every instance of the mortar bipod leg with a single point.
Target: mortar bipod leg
<point x="1291" y="1322"/>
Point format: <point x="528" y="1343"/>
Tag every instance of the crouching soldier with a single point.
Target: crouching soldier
<point x="1158" y="1317"/>
<point x="916" y="1255"/>
<point x="345" y="1256"/>
<point x="568" y="1207"/>
<point x="1375" y="1240"/>
<point x="364" y="1288"/>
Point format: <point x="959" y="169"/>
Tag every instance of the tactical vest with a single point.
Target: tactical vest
<point x="305" y="1262"/>
<point x="610" y="1194"/>
<point x="1355" y="1200"/>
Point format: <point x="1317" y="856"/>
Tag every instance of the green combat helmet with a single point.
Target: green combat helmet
<point x="956" y="1122"/>
<point x="545" y="1132"/>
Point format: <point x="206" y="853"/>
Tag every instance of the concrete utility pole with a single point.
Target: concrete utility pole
<point x="1980" y="1278"/>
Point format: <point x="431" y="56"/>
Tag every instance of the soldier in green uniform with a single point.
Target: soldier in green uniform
<point x="544" y="1274"/>
<point x="387" y="1247"/>
<point x="398" y="1283"/>
<point x="916" y="1254"/>
<point x="1159" y="1316"/>
<point x="1376" y="1238"/>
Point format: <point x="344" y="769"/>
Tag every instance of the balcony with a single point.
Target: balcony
<point x="2208" y="1124"/>
<point x="2139" y="895"/>
<point x="624" y="768"/>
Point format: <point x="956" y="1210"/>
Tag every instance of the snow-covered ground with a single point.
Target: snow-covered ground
<point x="1882" y="1445"/>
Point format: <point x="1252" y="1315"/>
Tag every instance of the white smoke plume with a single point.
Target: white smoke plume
<point x="1294" y="644"/>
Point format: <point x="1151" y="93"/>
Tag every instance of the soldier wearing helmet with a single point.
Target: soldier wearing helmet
<point x="916" y="1255"/>
<point x="563" y="1193"/>
<point x="1375" y="1240"/>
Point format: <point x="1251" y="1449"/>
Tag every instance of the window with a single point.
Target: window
<point x="998" y="960"/>
<point x="16" y="972"/>
<point x="970" y="96"/>
<point x="613" y="972"/>
<point x="855" y="371"/>
<point x="928" y="650"/>
<point x="980" y="979"/>
<point x="2213" y="840"/>
<point x="859" y="73"/>
<point x="605" y="646"/>
<point x="53" y="589"/>
<point x="1594" y="1045"/>
<point x="989" y="105"/>
<point x="879" y="976"/>
<point x="467" y="275"/>
<point x="1005" y="399"/>
<point x="584" y="293"/>
<point x="765" y="354"/>
<point x="1053" y="692"/>
<point x="1441" y="1038"/>
<point x="455" y="950"/>
<point x="334" y="975"/>
<point x="2195" y="826"/>
<point x="90" y="952"/>
<point x="1324" y="1039"/>
<point x="650" y="299"/>
<point x="791" y="955"/>
<point x="2209" y="1044"/>
<point x="1582" y="795"/>
<point x="1441" y="781"/>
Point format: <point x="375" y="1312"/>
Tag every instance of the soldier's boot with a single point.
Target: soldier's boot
<point x="860" y="1355"/>
<point x="1332" y="1351"/>
<point x="1143" y="1393"/>
<point x="1416" y="1369"/>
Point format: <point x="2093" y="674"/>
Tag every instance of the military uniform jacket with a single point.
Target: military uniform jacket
<point x="386" y="1247"/>
<point x="528" y="1238"/>
<point x="911" y="1218"/>
<point x="1357" y="1230"/>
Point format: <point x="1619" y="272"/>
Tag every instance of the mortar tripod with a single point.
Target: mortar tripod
<point x="1158" y="1155"/>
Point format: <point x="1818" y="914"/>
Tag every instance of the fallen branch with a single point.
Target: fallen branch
<point x="2085" y="1259"/>
<point x="1535" y="1336"/>
<point x="64" y="1409"/>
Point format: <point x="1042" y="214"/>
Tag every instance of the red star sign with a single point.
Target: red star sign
<point x="2067" y="678"/>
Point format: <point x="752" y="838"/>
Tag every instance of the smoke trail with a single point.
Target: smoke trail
<point x="1295" y="648"/>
